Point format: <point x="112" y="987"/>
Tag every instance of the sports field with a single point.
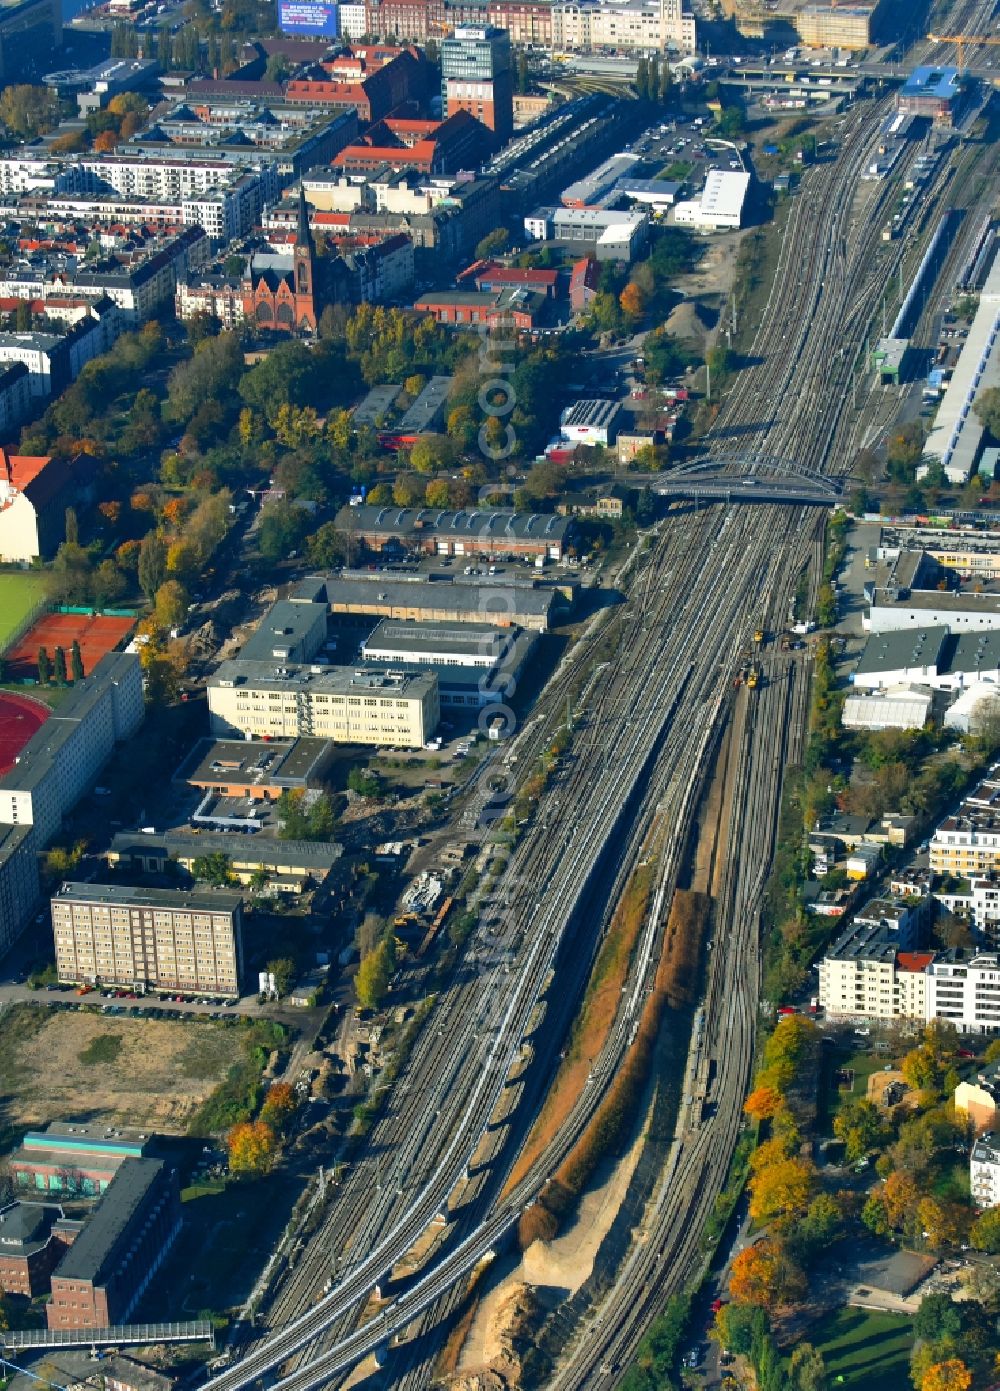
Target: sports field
<point x="19" y="593"/>
<point x="96" y="634"/>
<point x="865" y="1350"/>
<point x="20" y="717"/>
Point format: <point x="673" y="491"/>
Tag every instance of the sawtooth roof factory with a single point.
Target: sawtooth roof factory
<point x="489" y="531"/>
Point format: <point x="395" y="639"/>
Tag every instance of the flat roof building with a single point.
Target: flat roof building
<point x="71" y="1158"/>
<point x="261" y="700"/>
<point x="720" y="204"/>
<point x="103" y="1275"/>
<point x="590" y="422"/>
<point x="255" y="769"/>
<point x="61" y="761"/>
<point x="149" y="938"/>
<point x="931" y="91"/>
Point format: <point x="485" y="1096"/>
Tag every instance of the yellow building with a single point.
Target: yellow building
<point x="264" y="700"/>
<point x="163" y="938"/>
<point x="980" y="1100"/>
<point x="835" y="26"/>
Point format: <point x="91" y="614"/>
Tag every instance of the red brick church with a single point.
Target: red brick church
<point x="281" y="298"/>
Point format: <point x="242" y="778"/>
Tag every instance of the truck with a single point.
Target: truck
<point x="539" y="562"/>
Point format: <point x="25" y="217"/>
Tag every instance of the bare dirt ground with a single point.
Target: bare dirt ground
<point x="554" y="1270"/>
<point x="715" y="271"/>
<point x="154" y="1074"/>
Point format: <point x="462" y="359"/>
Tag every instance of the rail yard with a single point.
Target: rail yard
<point x="642" y="745"/>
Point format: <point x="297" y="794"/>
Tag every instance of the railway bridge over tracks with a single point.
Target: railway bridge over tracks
<point x="748" y="478"/>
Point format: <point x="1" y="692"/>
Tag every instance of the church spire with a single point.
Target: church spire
<point x="303" y="235"/>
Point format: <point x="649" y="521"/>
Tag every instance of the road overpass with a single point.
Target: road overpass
<point x="737" y="480"/>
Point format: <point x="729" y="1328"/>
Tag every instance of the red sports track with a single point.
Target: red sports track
<point x="19" y="718"/>
<point x="97" y="634"/>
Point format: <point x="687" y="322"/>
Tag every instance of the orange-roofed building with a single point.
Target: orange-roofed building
<point x="35" y="491"/>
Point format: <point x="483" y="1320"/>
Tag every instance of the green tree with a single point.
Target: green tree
<point x="213" y="869"/>
<point x="985" y="1231"/>
<point x="807" y="1370"/>
<point x="22" y="317"/>
<point x="327" y="547"/>
<point x="364" y="782"/>
<point x="75" y="662"/>
<point x="44" y="667"/>
<point x="493" y="244"/>
<point x="59" y="666"/>
<point x="859" y="1124"/>
<point x="72" y="526"/>
<point x="281" y="529"/>
<point x="171" y="604"/>
<point x="937" y="1319"/>
<point x="152" y="565"/>
<point x="283" y="969"/>
<point x="987" y="407"/>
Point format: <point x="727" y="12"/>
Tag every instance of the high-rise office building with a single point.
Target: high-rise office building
<point x="477" y="76"/>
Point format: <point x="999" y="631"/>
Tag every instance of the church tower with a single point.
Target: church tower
<point x="304" y="267"/>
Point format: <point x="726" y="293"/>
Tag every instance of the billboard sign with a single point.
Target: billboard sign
<point x="308" y="17"/>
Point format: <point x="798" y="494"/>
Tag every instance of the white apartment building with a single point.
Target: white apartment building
<point x="210" y="295"/>
<point x="353" y="18"/>
<point x="61" y="762"/>
<point x="261" y="699"/>
<point x="176" y="177"/>
<point x="37" y="174"/>
<point x="965" y="988"/>
<point x="629" y="25"/>
<point x="142" y="938"/>
<point x="984" y="1172"/>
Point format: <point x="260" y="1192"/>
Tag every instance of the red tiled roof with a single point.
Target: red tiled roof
<point x="915" y="961"/>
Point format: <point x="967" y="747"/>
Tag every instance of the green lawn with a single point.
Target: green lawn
<point x="19" y="593"/>
<point x="831" y="1094"/>
<point x="865" y="1351"/>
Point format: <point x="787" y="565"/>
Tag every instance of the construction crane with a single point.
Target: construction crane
<point x="974" y="40"/>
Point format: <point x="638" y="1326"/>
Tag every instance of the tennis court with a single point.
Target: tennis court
<point x="97" y="634"/>
<point x="20" y="717"/>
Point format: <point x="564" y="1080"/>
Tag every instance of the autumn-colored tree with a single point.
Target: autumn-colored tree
<point x="105" y="142"/>
<point x="950" y="1375"/>
<point x="632" y="300"/>
<point x="182" y="558"/>
<point x="171" y="604"/>
<point x="899" y="1194"/>
<point x="771" y="1152"/>
<point x="944" y="1223"/>
<point x="755" y="1275"/>
<point x="111" y="511"/>
<point x="436" y="493"/>
<point x="279" y="1105"/>
<point x="763" y="1103"/>
<point x="781" y="1189"/>
<point x="127" y="555"/>
<point x="251" y="1146"/>
<point x="142" y="500"/>
<point x="175" y="509"/>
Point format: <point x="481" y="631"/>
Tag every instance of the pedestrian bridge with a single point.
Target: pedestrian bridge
<point x="748" y="478"/>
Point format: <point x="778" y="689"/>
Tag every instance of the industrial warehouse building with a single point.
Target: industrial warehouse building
<point x="74" y="1158"/>
<point x="931" y="657"/>
<point x="158" y="938"/>
<point x="485" y="531"/>
<point x="29" y="1248"/>
<point x="102" y="1277"/>
<point x="358" y="594"/>
<point x="259" y="699"/>
<point x="476" y="665"/>
<point x="721" y="203"/>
